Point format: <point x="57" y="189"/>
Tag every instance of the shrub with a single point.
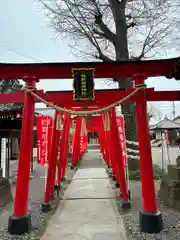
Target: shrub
<point x="158" y="172"/>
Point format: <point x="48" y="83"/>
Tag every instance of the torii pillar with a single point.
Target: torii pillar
<point x="20" y="221"/>
<point x="48" y="195"/>
<point x="76" y="144"/>
<point x="150" y="218"/>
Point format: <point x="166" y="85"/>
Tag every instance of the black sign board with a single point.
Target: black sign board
<point x="83" y="84"/>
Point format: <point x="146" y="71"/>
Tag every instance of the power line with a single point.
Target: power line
<point x="21" y="54"/>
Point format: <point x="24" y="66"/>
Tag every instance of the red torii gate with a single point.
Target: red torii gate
<point x="31" y="73"/>
<point x="110" y="148"/>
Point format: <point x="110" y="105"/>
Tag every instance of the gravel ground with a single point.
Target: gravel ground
<point x="39" y="219"/>
<point x="171" y="217"/>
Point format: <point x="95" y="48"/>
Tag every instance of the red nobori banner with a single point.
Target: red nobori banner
<point x="122" y="137"/>
<point x="83" y="143"/>
<point x="166" y="137"/>
<point x="44" y="133"/>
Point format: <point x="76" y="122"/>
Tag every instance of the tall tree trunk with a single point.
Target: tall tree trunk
<point x="122" y="54"/>
<point x="129" y="111"/>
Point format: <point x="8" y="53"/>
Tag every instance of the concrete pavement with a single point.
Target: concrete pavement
<point x="88" y="210"/>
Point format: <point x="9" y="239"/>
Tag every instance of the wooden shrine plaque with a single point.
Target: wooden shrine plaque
<point x="83" y="84"/>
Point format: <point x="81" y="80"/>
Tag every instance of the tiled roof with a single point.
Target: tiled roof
<point x="45" y="111"/>
<point x="9" y="107"/>
<point x="165" y="124"/>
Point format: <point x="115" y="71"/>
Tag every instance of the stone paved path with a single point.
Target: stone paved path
<point x="88" y="210"/>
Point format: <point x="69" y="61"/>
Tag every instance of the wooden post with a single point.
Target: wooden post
<point x="76" y="144"/>
<point x="51" y="169"/>
<point x="20" y="222"/>
<point x="150" y="218"/>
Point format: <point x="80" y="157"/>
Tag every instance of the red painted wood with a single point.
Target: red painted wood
<point x="146" y="164"/>
<point x="52" y="163"/>
<point x="43" y="71"/>
<point x="103" y="97"/>
<point x="22" y="186"/>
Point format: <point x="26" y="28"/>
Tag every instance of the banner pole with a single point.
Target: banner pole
<point x="128" y="180"/>
<point x="127" y="177"/>
<point x="167" y="145"/>
<point x="162" y="157"/>
<point x="46" y="162"/>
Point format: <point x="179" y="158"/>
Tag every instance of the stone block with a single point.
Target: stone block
<point x="169" y="192"/>
<point x="175" y="184"/>
<point x="5" y="192"/>
<point x="165" y="189"/>
<point x="173" y="172"/>
<point x="174" y="198"/>
<point x="178" y="160"/>
<point x="175" y="194"/>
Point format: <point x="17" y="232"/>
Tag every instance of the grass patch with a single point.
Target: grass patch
<point x="158" y="173"/>
<point x="135" y="174"/>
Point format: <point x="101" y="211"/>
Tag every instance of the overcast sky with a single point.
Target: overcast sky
<point x="25" y="37"/>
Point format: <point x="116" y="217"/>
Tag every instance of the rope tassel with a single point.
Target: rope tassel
<point x="84" y="113"/>
<point x="83" y="127"/>
<point x="58" y="122"/>
<point x="106" y="122"/>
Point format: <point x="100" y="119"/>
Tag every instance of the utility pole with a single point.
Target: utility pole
<point x="174" y="111"/>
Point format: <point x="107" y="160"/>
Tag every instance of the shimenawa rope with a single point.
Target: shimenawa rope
<point x="84" y="113"/>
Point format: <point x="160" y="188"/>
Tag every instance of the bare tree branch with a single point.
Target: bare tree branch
<point x="105" y="31"/>
<point x="137" y="28"/>
<point x="131" y="25"/>
<point x="116" y="30"/>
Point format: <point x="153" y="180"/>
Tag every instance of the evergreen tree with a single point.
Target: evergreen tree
<point x="7" y="86"/>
